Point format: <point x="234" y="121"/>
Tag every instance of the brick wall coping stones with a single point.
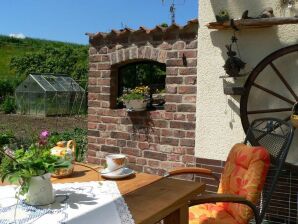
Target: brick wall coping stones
<point x="159" y="33"/>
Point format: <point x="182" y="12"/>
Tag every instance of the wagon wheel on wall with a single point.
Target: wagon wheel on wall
<point x="271" y="90"/>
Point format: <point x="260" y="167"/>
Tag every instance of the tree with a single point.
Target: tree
<point x="63" y="60"/>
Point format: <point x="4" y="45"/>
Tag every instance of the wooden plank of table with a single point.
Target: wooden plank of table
<point x="84" y="174"/>
<point x="153" y="202"/>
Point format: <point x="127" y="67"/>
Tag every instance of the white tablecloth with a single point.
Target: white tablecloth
<point x="76" y="203"/>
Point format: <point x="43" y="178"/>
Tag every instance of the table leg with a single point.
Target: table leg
<point x="180" y="216"/>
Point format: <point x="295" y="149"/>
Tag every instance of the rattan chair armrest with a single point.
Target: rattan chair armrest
<point x="213" y="198"/>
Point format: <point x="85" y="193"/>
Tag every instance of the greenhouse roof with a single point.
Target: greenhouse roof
<point x="57" y="82"/>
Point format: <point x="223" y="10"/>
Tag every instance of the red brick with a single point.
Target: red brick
<point x="182" y="125"/>
<point x="174" y="80"/>
<point x="169" y="141"/>
<point x="141" y="161"/>
<point x="187" y="89"/>
<point x="167" y="132"/>
<point x="171" y="71"/>
<point x="190" y="80"/>
<point x="92" y="125"/>
<point x="103" y="82"/>
<point x="93" y="133"/>
<point x="92" y="81"/>
<point x="166" y="165"/>
<point x="121" y="143"/>
<point x="190" y="134"/>
<point x="186" y="108"/>
<point x="191" y="117"/>
<point x="187" y="71"/>
<point x="187" y="142"/>
<point x="192" y="45"/>
<point x="179" y="134"/>
<point x="174" y="157"/>
<point x="91" y="139"/>
<point x="179" y="45"/>
<point x="110" y="120"/>
<point x="95" y="74"/>
<point x="131" y="151"/>
<point x="192" y="62"/>
<point x="131" y="159"/>
<point x="174" y="63"/>
<point x="188" y="54"/>
<point x="174" y="98"/>
<point x="165" y="46"/>
<point x="155" y="155"/>
<point x="135" y="167"/>
<point x="172" y="54"/>
<point x="179" y="117"/>
<point x="189" y="99"/>
<point x="153" y="163"/>
<point x="104" y="66"/>
<point x="131" y="144"/>
<point x="169" y="116"/>
<point x="171" y="89"/>
<point x="110" y="149"/>
<point x="188" y="159"/>
<point x="170" y="107"/>
<point x="111" y="142"/>
<point x="120" y="135"/>
<point x="143" y="145"/>
<point x="161" y="124"/>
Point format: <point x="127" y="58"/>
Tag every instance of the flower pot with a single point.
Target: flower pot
<point x="136" y="105"/>
<point x="40" y="190"/>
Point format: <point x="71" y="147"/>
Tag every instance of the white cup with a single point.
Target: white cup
<point x="115" y="161"/>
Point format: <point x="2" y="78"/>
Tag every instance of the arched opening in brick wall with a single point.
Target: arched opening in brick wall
<point x="142" y="73"/>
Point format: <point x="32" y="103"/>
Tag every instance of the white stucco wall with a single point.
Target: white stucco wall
<point x="218" y="121"/>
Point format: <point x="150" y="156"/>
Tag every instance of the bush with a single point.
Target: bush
<point x="8" y="105"/>
<point x="80" y="137"/>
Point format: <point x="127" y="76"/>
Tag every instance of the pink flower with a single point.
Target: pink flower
<point x="44" y="134"/>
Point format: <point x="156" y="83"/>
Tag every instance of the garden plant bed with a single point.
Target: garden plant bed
<point x="26" y="126"/>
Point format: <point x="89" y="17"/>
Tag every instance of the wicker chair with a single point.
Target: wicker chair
<point x="244" y="176"/>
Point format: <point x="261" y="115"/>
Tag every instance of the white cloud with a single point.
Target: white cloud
<point x="17" y="35"/>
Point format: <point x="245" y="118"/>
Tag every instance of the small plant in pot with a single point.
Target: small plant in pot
<point x="31" y="168"/>
<point x="136" y="99"/>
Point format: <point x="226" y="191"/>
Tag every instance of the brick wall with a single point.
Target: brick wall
<point x="154" y="141"/>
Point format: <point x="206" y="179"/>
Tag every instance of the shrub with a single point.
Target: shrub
<point x="8" y="105"/>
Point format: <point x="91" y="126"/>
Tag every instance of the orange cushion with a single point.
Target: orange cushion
<point x="209" y="214"/>
<point x="244" y="174"/>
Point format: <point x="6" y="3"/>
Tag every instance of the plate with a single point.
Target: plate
<point x="117" y="174"/>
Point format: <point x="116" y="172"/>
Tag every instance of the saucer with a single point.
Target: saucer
<point x="117" y="174"/>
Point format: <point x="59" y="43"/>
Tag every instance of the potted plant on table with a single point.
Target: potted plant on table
<point x="136" y="99"/>
<point x="32" y="168"/>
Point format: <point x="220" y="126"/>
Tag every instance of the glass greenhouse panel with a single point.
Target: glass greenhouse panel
<point x="50" y="95"/>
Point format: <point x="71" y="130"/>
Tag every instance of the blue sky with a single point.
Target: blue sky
<point x="69" y="20"/>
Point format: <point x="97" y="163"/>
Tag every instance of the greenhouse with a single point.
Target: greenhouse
<point x="49" y="95"/>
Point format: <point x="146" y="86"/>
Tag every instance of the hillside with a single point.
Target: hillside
<point x="10" y="47"/>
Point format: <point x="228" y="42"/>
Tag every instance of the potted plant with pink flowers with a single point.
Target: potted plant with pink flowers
<point x="31" y="168"/>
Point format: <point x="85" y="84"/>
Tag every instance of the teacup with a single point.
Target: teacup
<point x="115" y="161"/>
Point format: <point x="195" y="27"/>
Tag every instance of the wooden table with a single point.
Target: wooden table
<point x="150" y="198"/>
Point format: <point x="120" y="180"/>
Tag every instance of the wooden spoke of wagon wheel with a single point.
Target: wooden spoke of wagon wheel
<point x="269" y="111"/>
<point x="284" y="81"/>
<point x="274" y="93"/>
<point x="258" y="71"/>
